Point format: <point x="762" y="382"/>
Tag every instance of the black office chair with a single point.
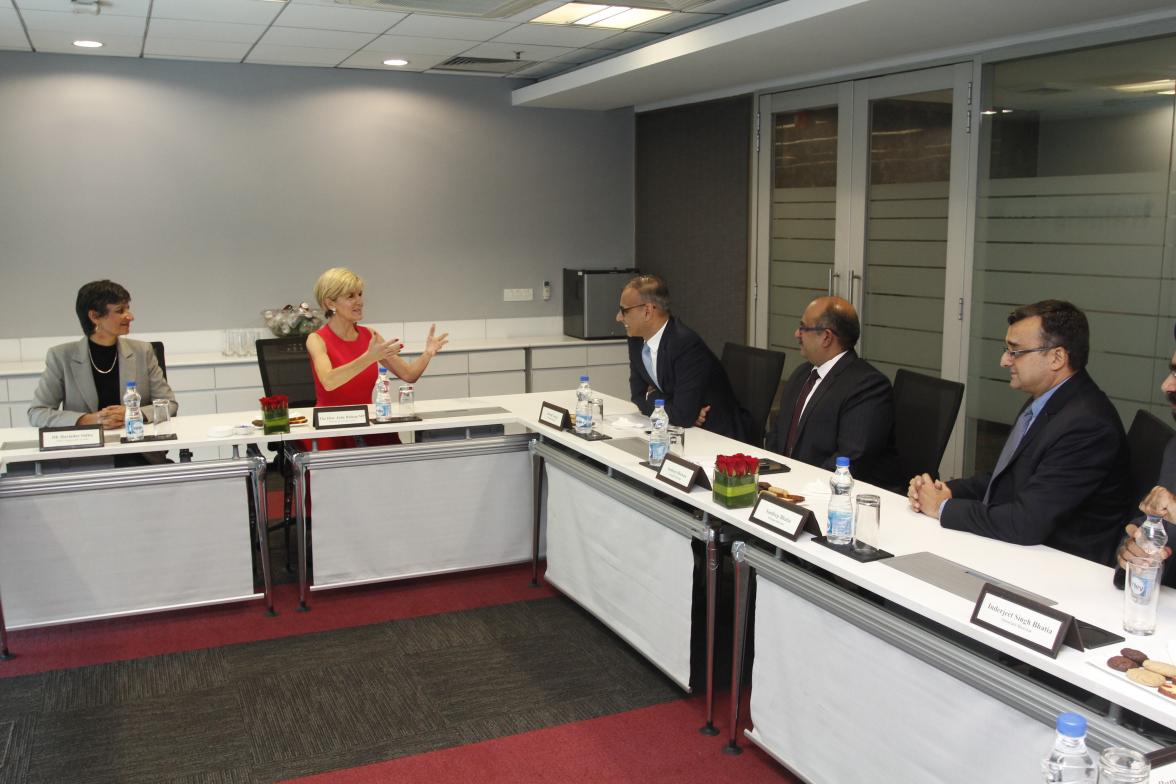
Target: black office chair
<point x="285" y="370"/>
<point x="925" y="410"/>
<point x="754" y="374"/>
<point x="1146" y="441"/>
<point x="157" y="346"/>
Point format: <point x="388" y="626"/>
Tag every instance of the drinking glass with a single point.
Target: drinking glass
<point x="866" y="524"/>
<point x="161" y="417"/>
<point x="405" y="405"/>
<point x="677" y="440"/>
<point x="597" y="412"/>
<point x="1118" y="765"/>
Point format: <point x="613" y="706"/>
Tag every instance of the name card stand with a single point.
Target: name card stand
<point x="394" y="420"/>
<point x="50" y="439"/>
<point x="1024" y="621"/>
<point x="554" y="416"/>
<point x="783" y="518"/>
<point x="161" y="437"/>
<point x="681" y="474"/>
<point x="328" y="417"/>
<point x="1163" y="765"/>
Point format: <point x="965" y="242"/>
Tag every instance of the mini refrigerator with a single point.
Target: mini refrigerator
<point x="590" y="298"/>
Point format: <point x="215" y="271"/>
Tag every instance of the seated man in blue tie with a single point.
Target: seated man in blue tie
<point x="1061" y="479"/>
<point x="667" y="360"/>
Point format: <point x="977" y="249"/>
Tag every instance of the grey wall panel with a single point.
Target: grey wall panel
<point x="214" y="190"/>
<point x="693" y="211"/>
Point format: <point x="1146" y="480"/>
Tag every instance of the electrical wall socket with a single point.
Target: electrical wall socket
<point x="518" y="295"/>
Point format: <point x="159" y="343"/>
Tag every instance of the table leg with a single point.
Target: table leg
<point x="742" y="575"/>
<point x="300" y="512"/>
<point x="537" y="503"/>
<point x="712" y="601"/>
<point x="257" y="485"/>
<point x="4" y="653"/>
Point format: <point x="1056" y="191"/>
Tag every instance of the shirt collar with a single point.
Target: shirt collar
<point x="824" y="368"/>
<point x="655" y="341"/>
<point x="1037" y="405"/>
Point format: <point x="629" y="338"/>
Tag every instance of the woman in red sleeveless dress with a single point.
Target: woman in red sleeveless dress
<point x="344" y="355"/>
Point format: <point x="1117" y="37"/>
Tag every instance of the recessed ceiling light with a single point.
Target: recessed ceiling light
<point x="88" y="44"/>
<point x="568" y="13"/>
<point x="629" y="17"/>
<point x="616" y="17"/>
<point x="1006" y="111"/>
<point x="988" y="112"/>
<point x="396" y="61"/>
<point x="1166" y="92"/>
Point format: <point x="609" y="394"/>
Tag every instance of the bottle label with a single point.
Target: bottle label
<point x="1141" y="587"/>
<point x="840" y="524"/>
<point x="657" y="452"/>
<point x="583" y="420"/>
<point x="134" y="429"/>
<point x="384" y="410"/>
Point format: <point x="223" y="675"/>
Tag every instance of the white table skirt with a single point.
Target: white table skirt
<point x="635" y="574"/>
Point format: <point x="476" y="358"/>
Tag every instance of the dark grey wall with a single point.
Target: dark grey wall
<point x="693" y="210"/>
<point x="214" y="190"/>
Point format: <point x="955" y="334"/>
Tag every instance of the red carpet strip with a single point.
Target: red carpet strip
<point x="96" y="642"/>
<point x="649" y="745"/>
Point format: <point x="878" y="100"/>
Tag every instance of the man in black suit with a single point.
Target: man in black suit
<point x="1161" y="501"/>
<point x="836" y="404"/>
<point x="1062" y="477"/>
<point x="668" y="361"/>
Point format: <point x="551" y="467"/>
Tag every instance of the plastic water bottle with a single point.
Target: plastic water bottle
<point x="382" y="396"/>
<point x="659" y="434"/>
<point x="1142" y="587"/>
<point x="1069" y="761"/>
<point x="133" y="419"/>
<point x="840" y="506"/>
<point x="584" y="407"/>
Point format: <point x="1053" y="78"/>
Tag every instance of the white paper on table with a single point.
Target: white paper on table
<point x="630" y="422"/>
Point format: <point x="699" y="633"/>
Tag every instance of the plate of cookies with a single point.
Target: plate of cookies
<point x="1154" y="675"/>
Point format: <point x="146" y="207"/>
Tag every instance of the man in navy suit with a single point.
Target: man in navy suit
<point x="836" y="404"/>
<point x="1062" y="477"/>
<point x="668" y="361"/>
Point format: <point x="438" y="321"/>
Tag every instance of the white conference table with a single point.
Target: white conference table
<point x="1079" y="587"/>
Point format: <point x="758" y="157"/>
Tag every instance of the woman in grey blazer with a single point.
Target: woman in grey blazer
<point x="84" y="381"/>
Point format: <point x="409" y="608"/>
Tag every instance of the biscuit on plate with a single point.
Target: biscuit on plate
<point x="1121" y="663"/>
<point x="1139" y="657"/>
<point x="1163" y="668"/>
<point x="1146" y="677"/>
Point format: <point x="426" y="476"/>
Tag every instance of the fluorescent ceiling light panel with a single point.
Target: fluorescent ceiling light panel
<point x="88" y="44"/>
<point x="1145" y="87"/>
<point x="630" y="18"/>
<point x="396" y="61"/>
<point x="568" y="13"/>
<point x="600" y="16"/>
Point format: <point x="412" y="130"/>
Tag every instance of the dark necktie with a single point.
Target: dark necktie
<point x="798" y="409"/>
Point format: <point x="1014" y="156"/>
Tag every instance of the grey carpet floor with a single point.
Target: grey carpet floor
<point x="271" y="710"/>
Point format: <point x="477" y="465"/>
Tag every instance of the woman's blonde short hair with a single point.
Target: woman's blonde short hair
<point x="335" y="283"/>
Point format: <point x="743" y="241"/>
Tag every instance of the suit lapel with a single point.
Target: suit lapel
<point x="126" y="369"/>
<point x="83" y="378"/>
<point x="823" y="389"/>
<point x="1041" y="421"/>
<point x="663" y="355"/>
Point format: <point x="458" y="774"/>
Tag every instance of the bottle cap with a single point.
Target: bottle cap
<point x="843" y="462"/>
<point x="1072" y="725"/>
<point x="383" y="370"/>
<point x="583" y="379"/>
<point x="658" y="403"/>
<point x="130" y="385"/>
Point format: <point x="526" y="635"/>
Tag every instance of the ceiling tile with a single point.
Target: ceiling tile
<point x="61" y="42"/>
<point x="542" y="70"/>
<point x="11" y="38"/>
<point x="393" y="45"/>
<point x="241" y="11"/>
<point x="672" y="23"/>
<point x="536" y="11"/>
<point x="450" y="27"/>
<point x="357" y="20"/>
<point x="554" y="35"/>
<point x="628" y="40"/>
<point x="8" y="17"/>
<point x="297" y="55"/>
<point x="375" y="60"/>
<point x="109" y="7"/>
<point x="581" y="56"/>
<point x="507" y="51"/>
<point x="205" y="50"/>
<point x="84" y="24"/>
<point x="727" y="6"/>
<point x="324" y="39"/>
<point x="204" y="31"/>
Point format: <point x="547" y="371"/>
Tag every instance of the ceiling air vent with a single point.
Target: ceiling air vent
<point x="485" y="65"/>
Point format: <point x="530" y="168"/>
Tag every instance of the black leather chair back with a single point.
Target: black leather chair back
<point x="755" y="377"/>
<point x="925" y="410"/>
<point x="285" y="369"/>
<point x="1146" y="440"/>
<point x="157" y="346"/>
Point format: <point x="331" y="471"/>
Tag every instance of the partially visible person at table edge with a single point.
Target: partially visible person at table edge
<point x="344" y="355"/>
<point x="1061" y="479"/>
<point x="1161" y="500"/>
<point x="84" y="381"/>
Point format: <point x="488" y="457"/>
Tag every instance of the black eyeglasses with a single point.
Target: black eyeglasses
<point x="622" y="310"/>
<point x="1014" y="354"/>
<point x="803" y="328"/>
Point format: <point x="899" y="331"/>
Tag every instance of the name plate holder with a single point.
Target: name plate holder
<point x="783" y="518"/>
<point x="1024" y="621"/>
<point x="681" y="474"/>
<point x="329" y="417"/>
<point x="51" y="439"/>
<point x="395" y="420"/>
<point x="554" y="416"/>
<point x="1163" y="765"/>
<point x="149" y="439"/>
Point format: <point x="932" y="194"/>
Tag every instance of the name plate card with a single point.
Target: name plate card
<point x="783" y="518"/>
<point x="75" y="437"/>
<point x="1022" y="620"/>
<point x="553" y="415"/>
<point x="1163" y="765"/>
<point x="680" y="473"/>
<point x="340" y="416"/>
